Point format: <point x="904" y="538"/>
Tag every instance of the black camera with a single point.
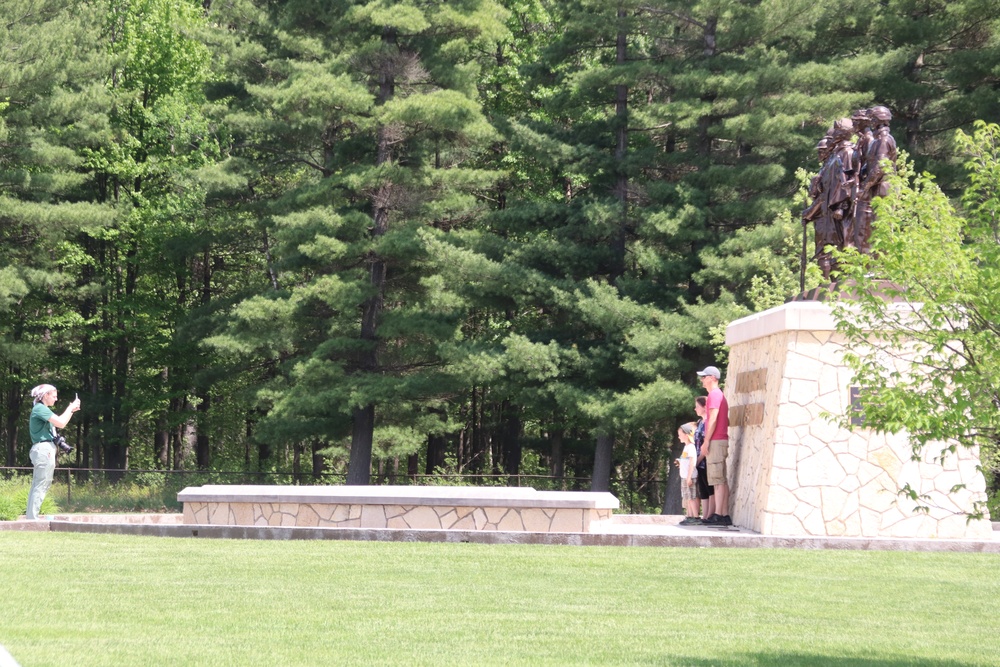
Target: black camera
<point x="61" y="443"/>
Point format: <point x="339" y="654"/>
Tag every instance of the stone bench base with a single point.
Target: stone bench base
<point x="405" y="507"/>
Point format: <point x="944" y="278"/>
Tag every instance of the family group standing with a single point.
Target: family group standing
<point x="705" y="479"/>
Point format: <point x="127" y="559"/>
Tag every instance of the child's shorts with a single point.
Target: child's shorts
<point x="689" y="492"/>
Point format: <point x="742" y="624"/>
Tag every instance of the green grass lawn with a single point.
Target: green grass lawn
<point x="84" y="599"/>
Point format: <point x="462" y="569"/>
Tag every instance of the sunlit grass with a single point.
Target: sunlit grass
<point x="87" y="599"/>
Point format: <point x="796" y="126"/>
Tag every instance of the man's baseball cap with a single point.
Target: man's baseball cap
<point x="710" y="370"/>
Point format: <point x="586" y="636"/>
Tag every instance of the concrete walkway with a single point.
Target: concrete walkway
<point x="623" y="530"/>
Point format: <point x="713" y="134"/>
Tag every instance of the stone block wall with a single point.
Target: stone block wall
<point x="404" y="507"/>
<point x="795" y="472"/>
<point x="531" y="519"/>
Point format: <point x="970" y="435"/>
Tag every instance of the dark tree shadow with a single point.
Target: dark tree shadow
<point x="811" y="660"/>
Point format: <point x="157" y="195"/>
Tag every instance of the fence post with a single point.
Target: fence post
<point x="69" y="486"/>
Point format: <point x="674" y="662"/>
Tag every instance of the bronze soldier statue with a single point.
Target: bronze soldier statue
<point x="835" y="187"/>
<point x="819" y="213"/>
<point x="842" y="176"/>
<point x="861" y="223"/>
<point x="850" y="175"/>
<point x="882" y="147"/>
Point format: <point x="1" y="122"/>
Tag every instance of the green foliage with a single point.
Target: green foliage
<point x="127" y="496"/>
<point x="929" y="290"/>
<point x="14" y="499"/>
<point x="10" y="509"/>
<point x="370" y="170"/>
<point x="933" y="75"/>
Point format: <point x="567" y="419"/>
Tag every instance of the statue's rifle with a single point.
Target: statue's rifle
<point x="810" y="214"/>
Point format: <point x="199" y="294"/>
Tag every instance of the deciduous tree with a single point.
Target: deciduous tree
<point x="929" y="292"/>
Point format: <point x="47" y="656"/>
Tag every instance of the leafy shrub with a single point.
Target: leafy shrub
<point x="10" y="509"/>
<point x="14" y="499"/>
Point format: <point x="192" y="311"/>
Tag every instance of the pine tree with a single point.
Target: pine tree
<point x="369" y="117"/>
<point x="659" y="137"/>
<point x="50" y="109"/>
<point x="143" y="162"/>
<point x="937" y="72"/>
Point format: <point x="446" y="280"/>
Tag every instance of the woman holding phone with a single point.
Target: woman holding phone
<point x="42" y="427"/>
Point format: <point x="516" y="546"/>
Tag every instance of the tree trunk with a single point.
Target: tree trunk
<point x="672" y="492"/>
<point x="359" y="465"/>
<point x="185" y="438"/>
<point x="556" y="461"/>
<point x="601" y="478"/>
<point x="161" y="436"/>
<point x="117" y="426"/>
<point x="161" y="442"/>
<point x="13" y="412"/>
<point x="118" y="440"/>
<point x="621" y="152"/>
<point x="706" y="121"/>
<point x="263" y="454"/>
<point x="913" y="112"/>
<point x="203" y="453"/>
<point x="436" y="445"/>
<point x="511" y="440"/>
<point x="202" y="446"/>
<point x="318" y="461"/>
<point x="477" y="439"/>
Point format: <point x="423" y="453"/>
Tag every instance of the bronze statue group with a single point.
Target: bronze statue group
<point x="851" y="174"/>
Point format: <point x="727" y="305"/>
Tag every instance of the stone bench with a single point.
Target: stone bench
<point x="405" y="507"/>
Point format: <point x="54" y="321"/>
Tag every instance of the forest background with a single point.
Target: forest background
<point x="361" y="241"/>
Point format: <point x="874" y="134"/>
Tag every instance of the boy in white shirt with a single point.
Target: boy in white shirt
<point x="689" y="474"/>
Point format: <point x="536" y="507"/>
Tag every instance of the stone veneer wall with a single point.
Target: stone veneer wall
<point x="532" y="519"/>
<point x="794" y="472"/>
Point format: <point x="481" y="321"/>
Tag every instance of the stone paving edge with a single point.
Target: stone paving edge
<point x="701" y="540"/>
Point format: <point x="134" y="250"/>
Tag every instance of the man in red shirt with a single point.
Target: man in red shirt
<point x="716" y="447"/>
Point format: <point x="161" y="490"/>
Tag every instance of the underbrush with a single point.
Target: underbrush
<point x="116" y="498"/>
<point x="125" y="496"/>
<point x="14" y="499"/>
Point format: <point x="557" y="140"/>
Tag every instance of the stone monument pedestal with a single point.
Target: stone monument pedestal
<point x="794" y="472"/>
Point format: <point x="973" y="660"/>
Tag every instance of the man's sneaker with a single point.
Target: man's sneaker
<point x="724" y="521"/>
<point x="713" y="520"/>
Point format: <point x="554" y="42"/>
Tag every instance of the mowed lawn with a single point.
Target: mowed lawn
<point x="83" y="599"/>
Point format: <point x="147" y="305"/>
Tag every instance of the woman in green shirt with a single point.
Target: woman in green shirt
<point x="42" y="427"/>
